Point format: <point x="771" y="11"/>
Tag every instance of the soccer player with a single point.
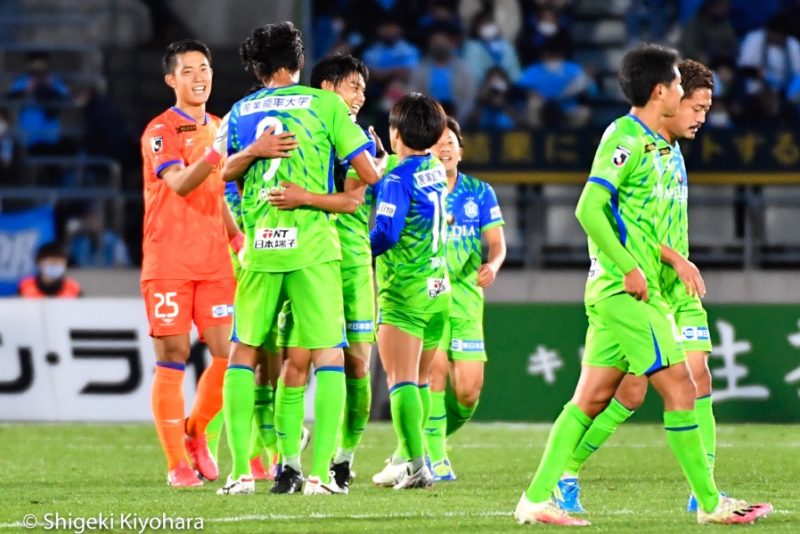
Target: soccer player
<point x="621" y="209"/>
<point x="473" y="214"/>
<point x="681" y="286"/>
<point x="291" y="254"/>
<point x="409" y="240"/>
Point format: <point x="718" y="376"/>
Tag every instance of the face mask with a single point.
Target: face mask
<point x="3" y="128"/>
<point x="552" y="64"/>
<point x="487" y="32"/>
<point x="547" y="28"/>
<point x="441" y="52"/>
<point x="53" y="271"/>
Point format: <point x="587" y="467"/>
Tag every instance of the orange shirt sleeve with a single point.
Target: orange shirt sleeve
<point x="162" y="146"/>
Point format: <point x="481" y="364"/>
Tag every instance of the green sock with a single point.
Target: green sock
<point x="214" y="432"/>
<point x="256" y="445"/>
<point x="425" y="399"/>
<point x="329" y="411"/>
<point x="457" y="413"/>
<point x="684" y="439"/>
<point x="565" y="435"/>
<point x="289" y="413"/>
<point x="356" y="416"/>
<point x="602" y="427"/>
<point x="407" y="418"/>
<point x="265" y="418"/>
<point x="708" y="427"/>
<point x="435" y="428"/>
<point x="238" y="397"/>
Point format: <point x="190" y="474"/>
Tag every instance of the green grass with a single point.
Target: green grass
<point x="633" y="484"/>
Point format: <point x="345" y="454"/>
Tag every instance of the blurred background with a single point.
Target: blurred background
<point x="533" y="83"/>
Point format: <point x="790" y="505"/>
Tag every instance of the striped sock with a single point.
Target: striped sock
<point x="603" y="426"/>
<point x="435" y="428"/>
<point x="708" y="427"/>
<point x="239" y="398"/>
<point x="684" y="439"/>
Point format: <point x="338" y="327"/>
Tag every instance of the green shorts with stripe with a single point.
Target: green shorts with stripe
<point x="634" y="336"/>
<point x="358" y="292"/>
<point x="465" y="340"/>
<point x="690" y="316"/>
<point x="315" y="301"/>
<point x="429" y="327"/>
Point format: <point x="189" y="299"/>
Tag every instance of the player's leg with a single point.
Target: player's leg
<point x="435" y="427"/>
<point x="264" y="439"/>
<point x="169" y="311"/>
<point x="213" y="433"/>
<point x="466" y="376"/>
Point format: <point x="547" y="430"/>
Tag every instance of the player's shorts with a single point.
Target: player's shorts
<point x="636" y="337"/>
<point x="692" y="321"/>
<point x="429" y="327"/>
<point x="173" y="305"/>
<point x="316" y="302"/>
<point x="358" y="291"/>
<point x="465" y="340"/>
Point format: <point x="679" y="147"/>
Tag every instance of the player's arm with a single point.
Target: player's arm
<point x="293" y="196"/>
<point x="686" y="270"/>
<point x="496" y="240"/>
<point x="393" y="202"/>
<point x="184" y="180"/>
<point x="265" y="147"/>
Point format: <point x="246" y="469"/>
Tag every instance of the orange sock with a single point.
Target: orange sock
<point x="167" y="401"/>
<point x="209" y="397"/>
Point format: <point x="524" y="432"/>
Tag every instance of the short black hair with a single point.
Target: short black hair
<point x="272" y="48"/>
<point x="336" y="69"/>
<point x="177" y="48"/>
<point x="694" y="76"/>
<point x="419" y="119"/>
<point x="454" y="127"/>
<point x="645" y="67"/>
<point x="50" y="250"/>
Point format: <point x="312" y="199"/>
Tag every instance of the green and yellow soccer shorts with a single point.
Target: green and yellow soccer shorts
<point x="428" y="326"/>
<point x="464" y="339"/>
<point x="315" y="301"/>
<point x="634" y="336"/>
<point x="358" y="292"/>
<point x="690" y="316"/>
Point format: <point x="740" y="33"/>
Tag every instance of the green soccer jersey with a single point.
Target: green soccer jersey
<point x="472" y="209"/>
<point x="628" y="163"/>
<point x="676" y="222"/>
<point x="287" y="240"/>
<point x="410" y="236"/>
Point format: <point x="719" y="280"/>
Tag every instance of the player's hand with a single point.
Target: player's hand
<point x="636" y="285"/>
<point x="220" y="144"/>
<point x="486" y="275"/>
<point x="380" y="152"/>
<point x="289" y="197"/>
<point x="269" y="145"/>
<point x="690" y="275"/>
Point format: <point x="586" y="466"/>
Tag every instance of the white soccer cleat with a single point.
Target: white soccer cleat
<point x="733" y="512"/>
<point x="421" y="478"/>
<point x="315" y="486"/>
<point x="546" y="512"/>
<point x="244" y="485"/>
<point x="390" y="475"/>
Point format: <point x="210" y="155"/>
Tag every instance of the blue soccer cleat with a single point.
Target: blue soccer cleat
<point x="567" y="495"/>
<point x="442" y="471"/>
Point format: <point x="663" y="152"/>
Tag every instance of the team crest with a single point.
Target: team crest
<point x="157" y="143"/>
<point x="620" y="156"/>
<point x="471" y="209"/>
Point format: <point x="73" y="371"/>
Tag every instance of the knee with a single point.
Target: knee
<point x="632" y="397"/>
<point x="294" y="374"/>
<point x="468" y="394"/>
<point x="702" y="381"/>
<point x="355" y="367"/>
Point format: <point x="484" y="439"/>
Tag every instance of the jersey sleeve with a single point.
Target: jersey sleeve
<point x="347" y="137"/>
<point x="161" y="147"/>
<point x="233" y="143"/>
<point x="393" y="201"/>
<point x="617" y="156"/>
<point x="490" y="214"/>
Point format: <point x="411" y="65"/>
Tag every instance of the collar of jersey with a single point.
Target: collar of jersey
<point x="646" y="128"/>
<point x="186" y="116"/>
<point x="270" y="89"/>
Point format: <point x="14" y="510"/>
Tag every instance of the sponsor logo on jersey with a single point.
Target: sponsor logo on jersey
<point x="495" y="213"/>
<point x="157" y="143"/>
<point x="221" y="310"/>
<point x="664" y="151"/>
<point x="461" y="230"/>
<point x="689" y="333"/>
<point x="186" y="128"/>
<point x="438" y="286"/>
<point x="384" y="208"/>
<point x="275" y="102"/>
<point x="471" y="209"/>
<point x="430" y="177"/>
<point x="275" y="238"/>
<point x="620" y="156"/>
<point x="702" y="333"/>
<point x="679" y="192"/>
<point x="466" y="345"/>
<point x="595" y="269"/>
<point x="649" y="147"/>
<point x="360" y="326"/>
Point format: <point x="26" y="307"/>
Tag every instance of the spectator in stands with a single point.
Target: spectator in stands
<point x="649" y="20"/>
<point x="391" y="61"/>
<point x="41" y="92"/>
<point x="555" y="86"/>
<point x="445" y="76"/>
<point x="773" y="52"/>
<point x="95" y="246"/>
<point x="440" y="15"/>
<point x="747" y="15"/>
<point x="364" y="16"/>
<point x="723" y="71"/>
<point x="544" y="23"/>
<point x="9" y="151"/>
<point x="50" y="279"/>
<point x="487" y="48"/>
<point x="495" y="108"/>
<point x="710" y="35"/>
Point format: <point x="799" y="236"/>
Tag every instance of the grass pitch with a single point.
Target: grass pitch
<point x="632" y="484"/>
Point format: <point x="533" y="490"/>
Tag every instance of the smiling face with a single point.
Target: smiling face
<point x="351" y="90"/>
<point x="448" y="151"/>
<point x="691" y="115"/>
<point x="191" y="78"/>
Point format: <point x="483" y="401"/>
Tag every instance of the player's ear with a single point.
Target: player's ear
<point x="326" y="85"/>
<point x="169" y="79"/>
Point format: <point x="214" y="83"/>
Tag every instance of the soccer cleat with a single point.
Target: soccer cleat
<point x="288" y="481"/>
<point x="197" y="448"/>
<point x="257" y="469"/>
<point x="314" y="486"/>
<point x="183" y="476"/>
<point x="567" y="495"/>
<point x="305" y="439"/>
<point x="244" y="485"/>
<point x="421" y="478"/>
<point x="691" y="506"/>
<point x="274" y="467"/>
<point x="442" y="471"/>
<point x="390" y="475"/>
<point x="546" y="512"/>
<point x="341" y="474"/>
<point x="733" y="512"/>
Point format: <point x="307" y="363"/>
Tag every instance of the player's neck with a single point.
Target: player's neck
<point x="452" y="178"/>
<point x="404" y="152"/>
<point x="281" y="78"/>
<point x="666" y="135"/>
<point x="197" y="112"/>
<point x="649" y="115"/>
